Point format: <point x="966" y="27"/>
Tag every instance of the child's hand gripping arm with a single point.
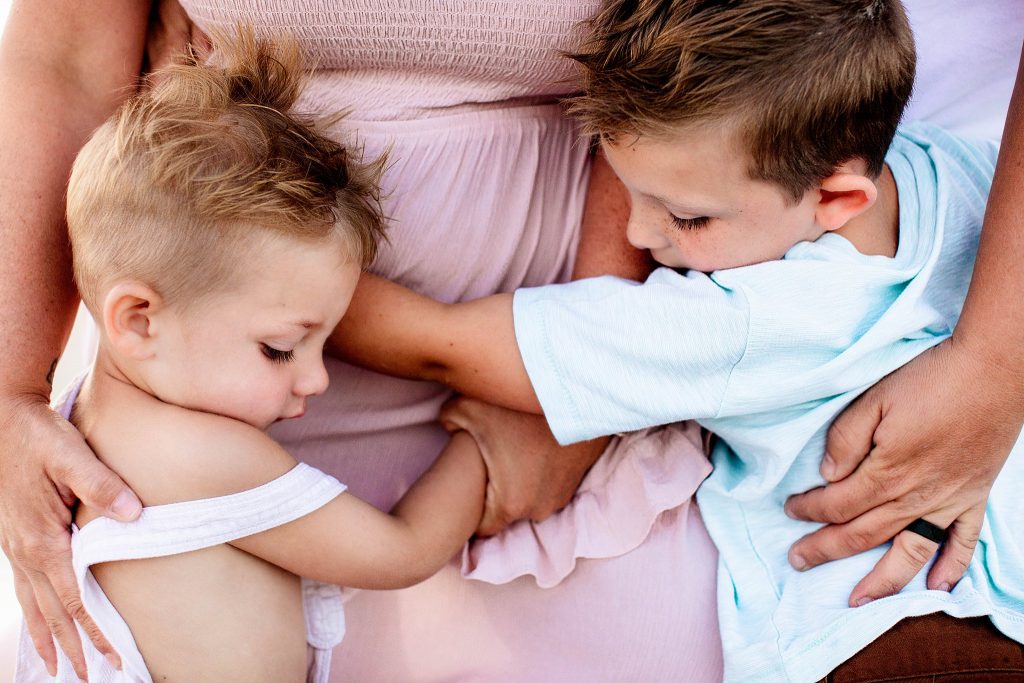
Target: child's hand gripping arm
<point x="470" y="347"/>
<point x="351" y="543"/>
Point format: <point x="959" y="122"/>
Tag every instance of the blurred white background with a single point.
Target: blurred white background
<point x="74" y="361"/>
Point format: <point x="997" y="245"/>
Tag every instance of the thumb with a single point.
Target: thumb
<point x="99" y="488"/>
<point x="91" y="481"/>
<point x="851" y="436"/>
<point x="452" y="418"/>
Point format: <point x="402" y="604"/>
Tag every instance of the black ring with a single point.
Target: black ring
<point x="933" y="532"/>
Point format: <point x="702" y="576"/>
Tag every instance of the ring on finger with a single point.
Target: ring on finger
<point x="933" y="532"/>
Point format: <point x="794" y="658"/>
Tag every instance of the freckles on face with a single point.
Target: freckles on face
<point x="695" y="206"/>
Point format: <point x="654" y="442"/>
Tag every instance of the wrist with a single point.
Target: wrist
<point x="991" y="378"/>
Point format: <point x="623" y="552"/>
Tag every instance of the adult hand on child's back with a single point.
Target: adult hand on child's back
<point x="529" y="476"/>
<point x="925" y="442"/>
<point x="44" y="466"/>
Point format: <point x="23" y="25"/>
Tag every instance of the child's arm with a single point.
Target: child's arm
<point x="351" y="543"/>
<point x="470" y="347"/>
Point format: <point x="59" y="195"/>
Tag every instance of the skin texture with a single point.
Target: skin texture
<point x="929" y="440"/>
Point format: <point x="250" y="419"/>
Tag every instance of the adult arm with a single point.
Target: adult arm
<point x="929" y="439"/>
<point x="64" y="67"/>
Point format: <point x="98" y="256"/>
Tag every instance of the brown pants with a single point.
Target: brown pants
<point x="936" y="649"/>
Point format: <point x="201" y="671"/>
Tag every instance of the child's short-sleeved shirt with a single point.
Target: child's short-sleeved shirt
<point x="766" y="356"/>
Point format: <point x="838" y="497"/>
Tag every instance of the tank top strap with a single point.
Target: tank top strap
<point x="183" y="527"/>
<point x="176" y="528"/>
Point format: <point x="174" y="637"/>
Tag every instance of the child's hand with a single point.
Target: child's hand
<point x="529" y="476"/>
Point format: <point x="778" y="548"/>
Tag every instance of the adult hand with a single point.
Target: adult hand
<point x="529" y="476"/>
<point x="44" y="466"/>
<point x="925" y="442"/>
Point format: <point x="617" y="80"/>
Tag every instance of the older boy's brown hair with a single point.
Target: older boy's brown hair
<point x="808" y="84"/>
<point x="212" y="160"/>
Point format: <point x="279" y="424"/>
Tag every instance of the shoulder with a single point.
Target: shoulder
<point x="190" y="455"/>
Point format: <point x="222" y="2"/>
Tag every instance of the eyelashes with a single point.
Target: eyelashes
<point x="277" y="355"/>
<point x="691" y="223"/>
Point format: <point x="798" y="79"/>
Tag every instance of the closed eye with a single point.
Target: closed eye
<point x="277" y="355"/>
<point x="691" y="223"/>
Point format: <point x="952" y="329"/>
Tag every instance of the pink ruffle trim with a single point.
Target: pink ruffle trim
<point x="640" y="476"/>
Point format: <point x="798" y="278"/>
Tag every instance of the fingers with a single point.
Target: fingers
<point x="494" y="519"/>
<point x="454" y="415"/>
<point x="901" y="563"/>
<point x="58" y="621"/>
<point x="837" y="541"/>
<point x="34" y="622"/>
<point x="851" y="435"/>
<point x="61" y="577"/>
<point x="957" y="551"/>
<point x="838" y="502"/>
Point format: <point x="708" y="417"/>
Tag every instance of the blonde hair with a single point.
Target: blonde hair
<point x="211" y="161"/>
<point x="809" y="84"/>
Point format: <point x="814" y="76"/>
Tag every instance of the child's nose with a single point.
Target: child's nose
<point x="313" y="382"/>
<point x="641" y="235"/>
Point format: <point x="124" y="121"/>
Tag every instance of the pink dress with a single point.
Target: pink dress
<point x="485" y="194"/>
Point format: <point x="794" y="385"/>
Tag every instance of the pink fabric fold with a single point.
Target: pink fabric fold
<point x="639" y="477"/>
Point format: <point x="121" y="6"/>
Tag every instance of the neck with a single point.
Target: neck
<point x="107" y="381"/>
<point x="876" y="232"/>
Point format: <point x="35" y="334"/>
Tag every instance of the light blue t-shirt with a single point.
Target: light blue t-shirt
<point x="766" y="356"/>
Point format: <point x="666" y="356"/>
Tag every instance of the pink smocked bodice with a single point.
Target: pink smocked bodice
<point x="403" y="58"/>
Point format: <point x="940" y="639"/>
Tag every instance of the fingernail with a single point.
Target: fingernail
<point x="113" y="660"/>
<point x="798" y="562"/>
<point x="864" y="601"/>
<point x="828" y="467"/>
<point x="126" y="506"/>
<point x="944" y="587"/>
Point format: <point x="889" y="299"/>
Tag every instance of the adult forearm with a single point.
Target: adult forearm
<point x="992" y="324"/>
<point x="37" y="296"/>
<point x="50" y="100"/>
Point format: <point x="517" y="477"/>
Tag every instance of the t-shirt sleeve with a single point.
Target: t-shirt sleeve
<point x="607" y="355"/>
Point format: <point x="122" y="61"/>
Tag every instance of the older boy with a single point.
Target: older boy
<point x="753" y="138"/>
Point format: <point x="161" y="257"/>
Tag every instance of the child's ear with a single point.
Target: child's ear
<point x="130" y="310"/>
<point x="845" y="194"/>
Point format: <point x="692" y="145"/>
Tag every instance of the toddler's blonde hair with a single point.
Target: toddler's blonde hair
<point x="208" y="163"/>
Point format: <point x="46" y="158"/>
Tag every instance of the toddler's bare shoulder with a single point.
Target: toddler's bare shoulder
<point x="193" y="455"/>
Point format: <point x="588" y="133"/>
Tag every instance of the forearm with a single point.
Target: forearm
<point x="442" y="509"/>
<point x="470" y="347"/>
<point x="45" y="116"/>
<point x="351" y="543"/>
<point x="991" y="327"/>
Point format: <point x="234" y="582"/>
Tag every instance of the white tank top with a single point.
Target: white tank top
<point x="176" y="528"/>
